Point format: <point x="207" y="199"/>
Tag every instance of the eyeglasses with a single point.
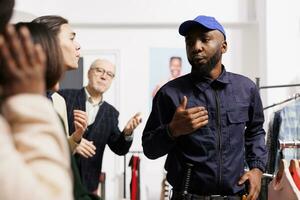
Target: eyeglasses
<point x="101" y="71"/>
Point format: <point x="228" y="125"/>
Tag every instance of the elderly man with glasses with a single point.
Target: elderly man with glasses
<point x="102" y="122"/>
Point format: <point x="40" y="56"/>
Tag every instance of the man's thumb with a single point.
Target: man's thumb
<point x="183" y="102"/>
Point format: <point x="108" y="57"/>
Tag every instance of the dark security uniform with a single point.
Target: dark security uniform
<point x="218" y="150"/>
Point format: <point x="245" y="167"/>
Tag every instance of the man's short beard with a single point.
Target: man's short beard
<point x="205" y="69"/>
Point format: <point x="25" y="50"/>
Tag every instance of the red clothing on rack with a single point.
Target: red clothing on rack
<point x="295" y="172"/>
<point x="135" y="183"/>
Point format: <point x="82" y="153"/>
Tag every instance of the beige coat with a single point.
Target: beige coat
<point x="60" y="107"/>
<point x="34" y="154"/>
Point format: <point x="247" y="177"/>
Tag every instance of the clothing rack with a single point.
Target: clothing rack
<point x="289" y="144"/>
<point x="257" y="80"/>
<point x="264" y="175"/>
<point x="124" y="173"/>
<point x="297" y="95"/>
<point x="282" y="144"/>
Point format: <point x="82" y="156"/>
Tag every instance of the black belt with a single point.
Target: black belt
<point x="180" y="196"/>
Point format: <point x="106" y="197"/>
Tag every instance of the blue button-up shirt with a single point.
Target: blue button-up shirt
<point x="218" y="150"/>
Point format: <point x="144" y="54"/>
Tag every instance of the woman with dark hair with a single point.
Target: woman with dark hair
<point x="70" y="50"/>
<point x="66" y="38"/>
<point x="53" y="71"/>
<point x="54" y="67"/>
<point x="54" y="64"/>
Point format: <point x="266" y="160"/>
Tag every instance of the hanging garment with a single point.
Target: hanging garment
<point x="295" y="172"/>
<point x="135" y="178"/>
<point x="285" y="128"/>
<point x="272" y="142"/>
<point x="282" y="187"/>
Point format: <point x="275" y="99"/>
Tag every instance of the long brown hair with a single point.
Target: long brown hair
<point x="48" y="41"/>
<point x="53" y="22"/>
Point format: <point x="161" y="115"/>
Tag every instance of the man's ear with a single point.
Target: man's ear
<point x="89" y="73"/>
<point x="224" y="46"/>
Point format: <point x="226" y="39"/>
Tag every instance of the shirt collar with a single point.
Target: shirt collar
<point x="89" y="98"/>
<point x="49" y="94"/>
<point x="204" y="82"/>
<point x="223" y="78"/>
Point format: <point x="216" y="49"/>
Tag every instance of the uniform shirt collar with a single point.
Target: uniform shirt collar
<point x="203" y="83"/>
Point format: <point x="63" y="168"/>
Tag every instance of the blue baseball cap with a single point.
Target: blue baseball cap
<point x="202" y="20"/>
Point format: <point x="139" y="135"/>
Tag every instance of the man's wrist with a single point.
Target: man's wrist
<point x="257" y="164"/>
<point x="128" y="136"/>
<point x="127" y="133"/>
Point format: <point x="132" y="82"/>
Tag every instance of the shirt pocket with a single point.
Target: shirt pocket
<point x="238" y="115"/>
<point x="236" y="123"/>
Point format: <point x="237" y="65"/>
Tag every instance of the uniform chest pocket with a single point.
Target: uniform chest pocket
<point x="238" y="115"/>
<point x="236" y="123"/>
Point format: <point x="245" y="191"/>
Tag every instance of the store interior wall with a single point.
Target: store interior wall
<point x="262" y="36"/>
